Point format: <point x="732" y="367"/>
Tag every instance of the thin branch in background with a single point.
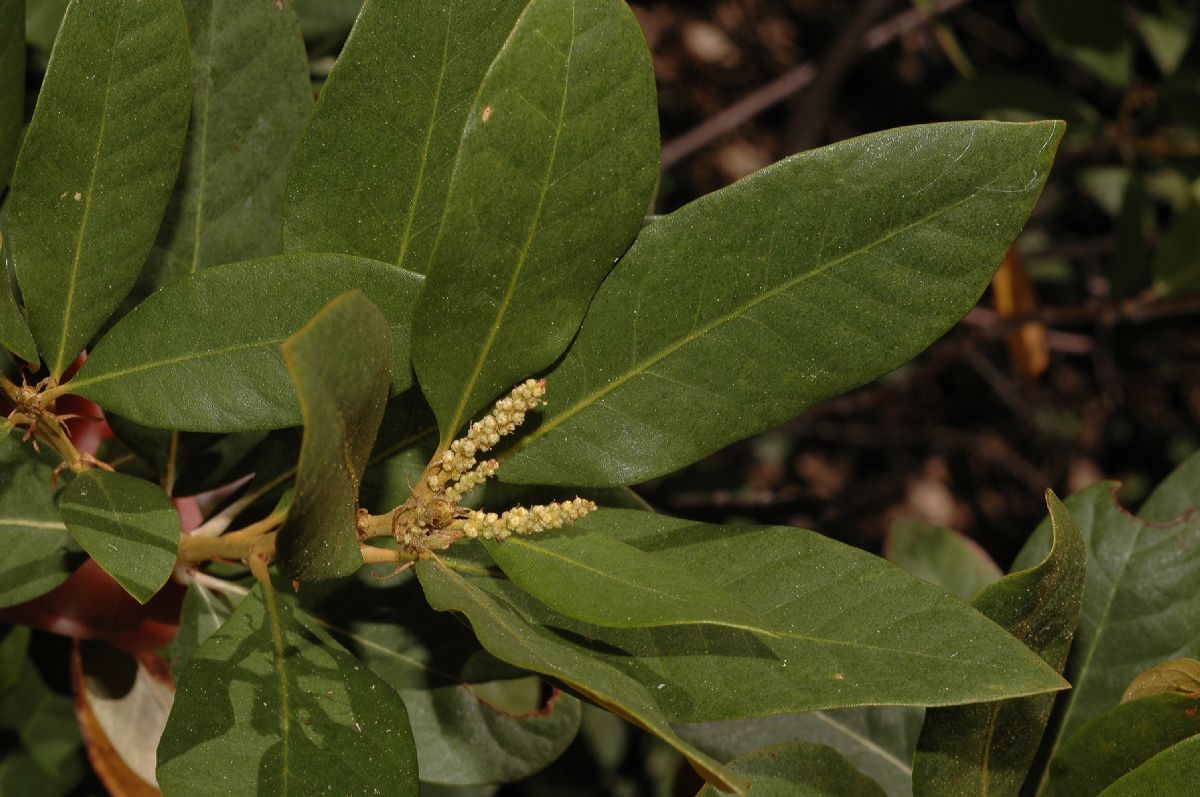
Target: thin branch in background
<point x="787" y="84"/>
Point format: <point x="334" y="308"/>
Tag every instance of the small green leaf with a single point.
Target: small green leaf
<point x="43" y="752"/>
<point x="271" y="705"/>
<point x="508" y="636"/>
<point x="14" y="332"/>
<point x="858" y="255"/>
<point x="12" y="84"/>
<point x="203" y="354"/>
<point x="97" y="166"/>
<point x="1175" y="770"/>
<point x="247" y="115"/>
<point x="203" y="612"/>
<point x="340" y="363"/>
<point x="39" y="554"/>
<point x="1180" y="676"/>
<point x="599" y="579"/>
<point x="941" y="556"/>
<point x="1176" y="494"/>
<point x="1092" y="33"/>
<point x="800" y="769"/>
<point x="1118" y="742"/>
<point x="987" y="749"/>
<point x="1167" y="35"/>
<point x="1177" y="261"/>
<point x="555" y="172"/>
<point x="129" y="526"/>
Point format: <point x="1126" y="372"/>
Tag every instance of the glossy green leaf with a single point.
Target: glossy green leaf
<point x="1141" y="602"/>
<point x="1178" y="675"/>
<point x="506" y="634"/>
<point x="1092" y="33"/>
<point x="556" y="171"/>
<point x="12" y="84"/>
<point x="204" y="354"/>
<point x="987" y="749"/>
<point x="800" y="769"/>
<point x="878" y="741"/>
<point x="340" y="363"/>
<point x="14" y="332"/>
<point x="1175" y="770"/>
<point x="247" y="115"/>
<point x="433" y="664"/>
<point x="129" y="526"/>
<point x="271" y="705"/>
<point x="97" y="166"/>
<point x="940" y="556"/>
<point x="39" y="554"/>
<point x="1176" y="494"/>
<point x="1118" y="741"/>
<point x="1177" y="261"/>
<point x="857" y="255"/>
<point x="598" y="579"/>
<point x="397" y="99"/>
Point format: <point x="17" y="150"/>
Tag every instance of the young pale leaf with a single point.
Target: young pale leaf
<point x="941" y="556"/>
<point x="12" y="84"/>
<point x="1176" y="494"/>
<point x="987" y="749"/>
<point x="1175" y="770"/>
<point x="14" y="332"/>
<point x="396" y="99"/>
<point x="555" y="172"/>
<point x="203" y="354"/>
<point x="1137" y="611"/>
<point x="1178" y="675"/>
<point x="271" y="705"/>
<point x="800" y="769"/>
<point x="129" y="526"/>
<point x="836" y="627"/>
<point x="247" y="115"/>
<point x="598" y="579"/>
<point x="506" y="634"/>
<point x="97" y="165"/>
<point x="1119" y="741"/>
<point x="39" y="554"/>
<point x="340" y="363"/>
<point x="803" y="280"/>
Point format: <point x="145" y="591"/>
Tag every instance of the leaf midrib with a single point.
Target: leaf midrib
<point x="164" y="363"/>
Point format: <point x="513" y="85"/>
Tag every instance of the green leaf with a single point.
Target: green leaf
<point x="42" y="20"/>
<point x="1177" y="675"/>
<point x="506" y="634"/>
<point x="204" y="355"/>
<point x="817" y="274"/>
<point x="836" y="627"/>
<point x="14" y="648"/>
<point x="129" y="526"/>
<point x="800" y="769"/>
<point x="598" y="579"/>
<point x="1013" y="98"/>
<point x="202" y="613"/>
<point x="271" y="705"/>
<point x="940" y="556"/>
<point x="340" y="363"/>
<point x="328" y="21"/>
<point x="1118" y="741"/>
<point x="878" y="741"/>
<point x="247" y="115"/>
<point x="1136" y="611"/>
<point x="987" y="749"/>
<point x="555" y="172"/>
<point x="397" y="99"/>
<point x="14" y="332"/>
<point x="1175" y="770"/>
<point x="1177" y="261"/>
<point x="39" y="554"/>
<point x="97" y="166"/>
<point x="1176" y="494"/>
<point x="1091" y="33"/>
<point x="1167" y="36"/>
<point x="12" y="84"/>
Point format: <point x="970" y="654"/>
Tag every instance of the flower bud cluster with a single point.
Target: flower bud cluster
<point x="520" y="520"/>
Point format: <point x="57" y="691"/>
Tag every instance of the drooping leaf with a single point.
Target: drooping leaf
<point x="596" y="578"/>
<point x="1181" y="676"/>
<point x="247" y="115"/>
<point x="506" y="634"/>
<point x="859" y="255"/>
<point x="556" y="170"/>
<point x="878" y="741"/>
<point x="14" y="332"/>
<point x="129" y="526"/>
<point x="204" y="354"/>
<point x="1118" y="741"/>
<point x="1176" y="494"/>
<point x="1177" y="260"/>
<point x="1175" y="770"/>
<point x="1091" y="33"/>
<point x="340" y="363"/>
<point x="39" y="554"/>
<point x="800" y="769"/>
<point x="12" y="84"/>
<point x="97" y="165"/>
<point x="271" y="705"/>
<point x="396" y="99"/>
<point x="941" y="556"/>
<point x="987" y="749"/>
<point x="1141" y="602"/>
